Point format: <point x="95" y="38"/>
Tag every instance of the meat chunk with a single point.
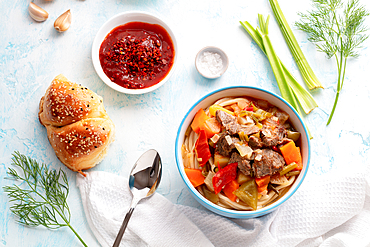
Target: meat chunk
<point x="272" y="137"/>
<point x="282" y="116"/>
<point x="232" y="126"/>
<point x="267" y="162"/>
<point x="228" y="121"/>
<point x="244" y="164"/>
<point x="226" y="144"/>
<point x="255" y="142"/>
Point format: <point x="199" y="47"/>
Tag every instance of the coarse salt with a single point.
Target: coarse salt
<point x="210" y="63"/>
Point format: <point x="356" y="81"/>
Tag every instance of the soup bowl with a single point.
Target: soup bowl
<point x="257" y="93"/>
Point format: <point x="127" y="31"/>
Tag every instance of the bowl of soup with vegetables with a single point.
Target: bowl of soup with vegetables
<point x="242" y="151"/>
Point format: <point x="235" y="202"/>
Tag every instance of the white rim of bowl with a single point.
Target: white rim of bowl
<point x="236" y="213"/>
<point x="101" y="35"/>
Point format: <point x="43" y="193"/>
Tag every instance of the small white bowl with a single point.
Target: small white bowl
<point x="257" y="93"/>
<point x="121" y="19"/>
<point x="216" y="72"/>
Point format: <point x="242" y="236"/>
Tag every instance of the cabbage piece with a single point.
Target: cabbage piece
<point x="277" y="179"/>
<point x="208" y="181"/>
<point x="244" y="150"/>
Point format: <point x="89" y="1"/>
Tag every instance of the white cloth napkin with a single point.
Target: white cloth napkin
<point x="332" y="211"/>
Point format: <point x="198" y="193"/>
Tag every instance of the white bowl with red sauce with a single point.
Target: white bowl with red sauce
<point x="134" y="52"/>
<point x="236" y="91"/>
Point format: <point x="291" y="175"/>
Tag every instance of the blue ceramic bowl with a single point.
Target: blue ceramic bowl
<point x="258" y="93"/>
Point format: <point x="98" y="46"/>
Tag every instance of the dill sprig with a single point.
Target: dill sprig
<point x="41" y="196"/>
<point x="338" y="30"/>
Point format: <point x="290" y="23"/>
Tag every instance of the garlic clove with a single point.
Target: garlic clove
<point x="37" y="13"/>
<point x="63" y="22"/>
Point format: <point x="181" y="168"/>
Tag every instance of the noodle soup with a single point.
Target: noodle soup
<point x="242" y="153"/>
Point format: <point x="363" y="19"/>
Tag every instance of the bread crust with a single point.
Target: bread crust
<point x="66" y="102"/>
<point x="78" y="127"/>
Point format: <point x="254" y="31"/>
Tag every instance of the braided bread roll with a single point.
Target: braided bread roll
<point x="78" y="127"/>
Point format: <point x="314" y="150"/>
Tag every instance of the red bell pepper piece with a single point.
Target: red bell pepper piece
<point x="248" y="108"/>
<point x="202" y="148"/>
<point x="224" y="176"/>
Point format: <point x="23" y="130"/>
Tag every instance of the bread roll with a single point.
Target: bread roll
<point x="78" y="127"/>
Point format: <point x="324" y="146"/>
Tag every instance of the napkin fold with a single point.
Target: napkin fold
<point x="329" y="211"/>
<point x="155" y="222"/>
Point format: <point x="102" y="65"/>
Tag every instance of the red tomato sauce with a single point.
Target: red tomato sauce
<point x="137" y="55"/>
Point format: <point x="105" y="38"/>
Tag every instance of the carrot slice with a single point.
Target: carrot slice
<point x="291" y="153"/>
<point x="230" y="188"/>
<point x="202" y="121"/>
<point x="195" y="176"/>
<point x="262" y="188"/>
<point x="262" y="181"/>
<point x="211" y="127"/>
<point x="199" y="119"/>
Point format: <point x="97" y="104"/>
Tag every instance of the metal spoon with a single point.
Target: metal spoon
<point x="144" y="180"/>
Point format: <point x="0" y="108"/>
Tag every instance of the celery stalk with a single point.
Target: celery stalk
<point x="308" y="75"/>
<point x="285" y="90"/>
<point x="288" y="168"/>
<point x="289" y="88"/>
<point x="304" y="98"/>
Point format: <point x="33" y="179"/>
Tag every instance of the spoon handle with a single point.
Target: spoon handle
<point x="123" y="227"/>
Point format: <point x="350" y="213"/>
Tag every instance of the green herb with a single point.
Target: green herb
<point x="308" y="75"/>
<point x="289" y="88"/>
<point x="336" y="29"/>
<point x="42" y="198"/>
<point x="285" y="90"/>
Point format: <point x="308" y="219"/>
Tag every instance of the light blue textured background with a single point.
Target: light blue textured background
<point x="32" y="54"/>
